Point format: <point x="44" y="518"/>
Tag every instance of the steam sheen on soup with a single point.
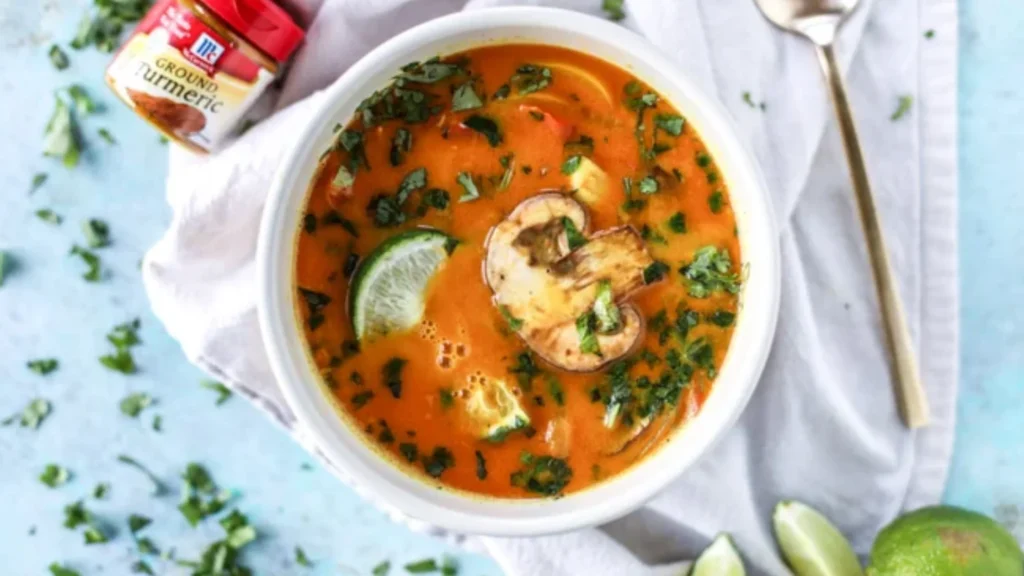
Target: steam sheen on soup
<point x="517" y="271"/>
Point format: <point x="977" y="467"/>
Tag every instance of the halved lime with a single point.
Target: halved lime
<point x="719" y="559"/>
<point x="811" y="544"/>
<point x="389" y="291"/>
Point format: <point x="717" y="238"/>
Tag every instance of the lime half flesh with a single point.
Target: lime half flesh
<point x="811" y="544"/>
<point x="389" y="291"/>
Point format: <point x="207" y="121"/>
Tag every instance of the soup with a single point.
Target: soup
<point x="516" y="271"/>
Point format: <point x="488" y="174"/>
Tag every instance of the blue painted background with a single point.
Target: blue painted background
<point x="47" y="310"/>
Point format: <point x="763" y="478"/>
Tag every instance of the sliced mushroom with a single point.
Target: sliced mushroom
<point x="541" y="282"/>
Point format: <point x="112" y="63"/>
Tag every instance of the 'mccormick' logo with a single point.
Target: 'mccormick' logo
<point x="207" y="49"/>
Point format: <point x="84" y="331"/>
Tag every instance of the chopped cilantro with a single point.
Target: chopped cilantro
<point x="631" y="204"/>
<point x="486" y="126"/>
<point x="655" y="272"/>
<point x="670" y="123"/>
<point x="748" y="100"/>
<point x="392" y="375"/>
<point x="438" y="461"/>
<point x="430" y="71"/>
<point x="700" y="353"/>
<point x="710" y="271"/>
<point x="571" y="164"/>
<point x="677" y="223"/>
<point x="158" y="423"/>
<point x="158" y="486"/>
<point x="585" y="328"/>
<point x="58" y="570"/>
<point x="470" y="191"/>
<point x="96" y="232"/>
<point x="31" y="416"/>
<point x="94" y="272"/>
<point x="929" y="34"/>
<point x="360" y="399"/>
<point x="301" y="559"/>
<point x="465" y="98"/>
<point x="102" y="26"/>
<point x="54" y="475"/>
<point x="508" y="162"/>
<point x="447" y="398"/>
<point x="409" y="451"/>
<point x="381" y="569"/>
<point x="715" y="202"/>
<point x="137" y="522"/>
<point x="61" y="138"/>
<point x="613" y="8"/>
<point x="133" y="404"/>
<point x="75" y="515"/>
<point x="502" y="92"/>
<point x="100" y="491"/>
<point x="106" y="136"/>
<point x="48" y="216"/>
<point x="315" y="303"/>
<point x="401" y="144"/>
<point x="43" y="366"/>
<point x="201" y="498"/>
<point x="140" y="567"/>
<point x="555" y="389"/>
<point x="38" y="180"/>
<point x="902" y="107"/>
<point x="123" y="337"/>
<point x="481" y="465"/>
<point x="422" y="566"/>
<point x="309" y="224"/>
<point x="545" y="475"/>
<point x="703" y="160"/>
<point x="514" y="324"/>
<point x="648" y="185"/>
<point x="223" y="392"/>
<point x="722" y="318"/>
<point x="525" y="370"/>
<point x="609" y="317"/>
<point x="413" y="181"/>
<point x="573" y="236"/>
<point x="530" y="78"/>
<point x="651" y="235"/>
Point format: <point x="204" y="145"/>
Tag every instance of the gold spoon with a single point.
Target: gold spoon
<point x="818" y="21"/>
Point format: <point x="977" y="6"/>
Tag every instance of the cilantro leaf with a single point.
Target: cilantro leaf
<point x="400" y="146"/>
<point x="381" y="569"/>
<point x="54" y="475"/>
<point x="94" y="272"/>
<point x="470" y="191"/>
<point x="486" y="126"/>
<point x="49" y="216"/>
<point x="677" y="223"/>
<point x="710" y="271"/>
<point x="133" y="404"/>
<point x="301" y="559"/>
<point x="223" y="392"/>
<point x="514" y="324"/>
<point x="573" y="236"/>
<point x="32" y="415"/>
<point x="392" y="375"/>
<point x="61" y="139"/>
<point x="530" y="78"/>
<point x="43" y="366"/>
<point x="902" y="107"/>
<point x="422" y="566"/>
<point x="465" y="98"/>
<point x="158" y="486"/>
<point x="670" y="123"/>
<point x="545" y="475"/>
<point x="585" y="328"/>
<point x="571" y="164"/>
<point x="613" y="8"/>
<point x="58" y="58"/>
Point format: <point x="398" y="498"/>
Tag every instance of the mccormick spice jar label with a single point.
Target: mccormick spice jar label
<point x="185" y="77"/>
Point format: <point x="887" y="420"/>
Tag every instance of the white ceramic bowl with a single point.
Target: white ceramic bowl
<point x="739" y="373"/>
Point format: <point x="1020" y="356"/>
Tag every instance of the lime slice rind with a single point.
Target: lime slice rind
<point x="810" y="543"/>
<point x="389" y="291"/>
<point x="719" y="559"/>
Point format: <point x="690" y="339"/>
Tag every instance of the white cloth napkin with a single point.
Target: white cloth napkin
<point x="823" y="426"/>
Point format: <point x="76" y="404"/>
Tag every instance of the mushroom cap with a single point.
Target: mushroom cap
<point x="535" y="276"/>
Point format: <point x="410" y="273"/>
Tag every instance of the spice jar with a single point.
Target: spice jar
<point x="193" y="67"/>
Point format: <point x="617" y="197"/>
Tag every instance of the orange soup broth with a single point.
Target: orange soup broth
<point x="463" y="333"/>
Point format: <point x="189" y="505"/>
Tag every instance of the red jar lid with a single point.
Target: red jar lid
<point x="261" y="22"/>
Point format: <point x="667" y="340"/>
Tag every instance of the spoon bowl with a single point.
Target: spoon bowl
<point x="815" y="19"/>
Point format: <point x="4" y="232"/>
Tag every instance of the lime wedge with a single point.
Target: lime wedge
<point x="719" y="559"/>
<point x="811" y="544"/>
<point x="389" y="291"/>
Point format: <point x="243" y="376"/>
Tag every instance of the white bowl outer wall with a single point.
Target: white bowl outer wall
<point x="461" y="512"/>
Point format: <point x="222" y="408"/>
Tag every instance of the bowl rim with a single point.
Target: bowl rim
<point x="382" y="481"/>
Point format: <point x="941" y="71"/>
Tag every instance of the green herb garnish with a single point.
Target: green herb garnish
<point x="99" y="492"/>
<point x="58" y="570"/>
<point x="32" y="415"/>
<point x="470" y="191"/>
<point x="607" y="314"/>
<point x="422" y="566"/>
<point x="381" y="569"/>
<point x="525" y="370"/>
<point x="438" y="461"/>
<point x="530" y="78"/>
<point x="670" y="123"/>
<point x="902" y="107"/>
<point x="465" y="98"/>
<point x="96" y="232"/>
<point x="514" y="324"/>
<point x="43" y="366"/>
<point x="401" y="144"/>
<point x="586" y="329"/>
<point x="613" y="8"/>
<point x="49" y="216"/>
<point x="722" y="318"/>
<point x="54" y="475"/>
<point x="545" y="475"/>
<point x="61" y="138"/>
<point x="481" y="465"/>
<point x="223" y="392"/>
<point x="301" y="559"/>
<point x="573" y="236"/>
<point x="571" y="164"/>
<point x="360" y="399"/>
<point x="123" y="337"/>
<point x="710" y="271"/>
<point x="486" y="126"/>
<point x="655" y="272"/>
<point x="106" y="136"/>
<point x="392" y="375"/>
<point x="315" y="303"/>
<point x="94" y="273"/>
<point x="409" y="451"/>
<point x="133" y="404"/>
<point x="447" y="398"/>
<point x="677" y="223"/>
<point x="158" y="486"/>
<point x="555" y="389"/>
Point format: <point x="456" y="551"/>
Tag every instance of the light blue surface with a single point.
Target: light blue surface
<point x="47" y="310"/>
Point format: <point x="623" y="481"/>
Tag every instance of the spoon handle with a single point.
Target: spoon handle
<point x="910" y="395"/>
